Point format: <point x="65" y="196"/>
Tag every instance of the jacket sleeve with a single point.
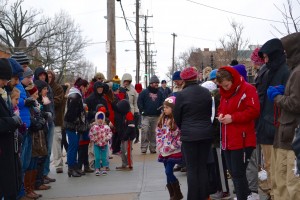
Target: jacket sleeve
<point x="58" y="96"/>
<point x="177" y="112"/>
<point x="291" y="102"/>
<point x="252" y="107"/>
<point x="22" y="98"/>
<point x="140" y="101"/>
<point x="135" y="104"/>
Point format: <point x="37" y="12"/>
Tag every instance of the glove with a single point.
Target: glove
<point x="17" y="120"/>
<point x="272" y="92"/>
<point x="30" y="102"/>
<point x="280" y="88"/>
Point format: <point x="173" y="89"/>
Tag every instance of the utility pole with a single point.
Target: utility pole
<point x="111" y="40"/>
<point x="145" y="33"/>
<point x="137" y="40"/>
<point x="173" y="57"/>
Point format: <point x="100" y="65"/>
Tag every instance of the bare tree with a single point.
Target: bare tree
<point x="17" y="25"/>
<point x="290" y="18"/>
<point x="233" y="43"/>
<point x="61" y="51"/>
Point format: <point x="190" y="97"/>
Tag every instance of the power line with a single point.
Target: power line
<point x="253" y="17"/>
<point x="126" y="20"/>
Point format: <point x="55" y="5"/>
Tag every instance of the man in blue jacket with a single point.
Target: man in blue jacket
<point x="149" y="102"/>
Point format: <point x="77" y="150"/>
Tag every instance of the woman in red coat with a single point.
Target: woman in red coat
<point x="239" y="107"/>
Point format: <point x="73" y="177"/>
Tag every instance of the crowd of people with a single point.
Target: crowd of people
<point x="212" y="125"/>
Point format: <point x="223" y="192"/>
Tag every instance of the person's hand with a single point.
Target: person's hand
<point x="29" y="102"/>
<point x="226" y="119"/>
<point x="17" y="120"/>
<point x="111" y="125"/>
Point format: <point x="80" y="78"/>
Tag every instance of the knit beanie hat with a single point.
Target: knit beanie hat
<point x="21" y="58"/>
<point x="138" y="87"/>
<point x="256" y="59"/>
<point x="189" y="74"/>
<point x="5" y="69"/>
<point x="101" y="108"/>
<point x="176" y="76"/>
<point x="115" y="87"/>
<point x="170" y="101"/>
<point x="116" y="79"/>
<point x="211" y="86"/>
<point x="213" y="74"/>
<point x="40" y="85"/>
<point x="28" y="72"/>
<point x="242" y="71"/>
<point x="17" y="69"/>
<point x="154" y="79"/>
<point x="31" y="89"/>
<point x="163" y="81"/>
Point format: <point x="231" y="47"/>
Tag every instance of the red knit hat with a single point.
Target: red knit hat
<point x="189" y="74"/>
<point x="256" y="59"/>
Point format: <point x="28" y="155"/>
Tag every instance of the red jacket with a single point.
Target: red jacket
<point x="243" y="106"/>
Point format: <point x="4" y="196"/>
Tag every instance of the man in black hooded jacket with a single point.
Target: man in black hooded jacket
<point x="275" y="72"/>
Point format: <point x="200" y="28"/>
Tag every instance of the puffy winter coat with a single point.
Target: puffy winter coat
<point x="243" y="106"/>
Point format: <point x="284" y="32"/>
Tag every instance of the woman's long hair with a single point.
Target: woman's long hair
<point x="171" y="122"/>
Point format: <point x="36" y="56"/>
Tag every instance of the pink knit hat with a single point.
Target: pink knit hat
<point x="189" y="74"/>
<point x="170" y="101"/>
<point x="256" y="59"/>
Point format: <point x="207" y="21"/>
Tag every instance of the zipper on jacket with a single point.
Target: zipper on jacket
<point x="244" y="148"/>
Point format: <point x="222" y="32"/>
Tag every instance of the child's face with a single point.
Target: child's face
<point x="167" y="110"/>
<point x="99" y="121"/>
<point x="44" y="92"/>
<point x="35" y="95"/>
<point x="15" y="100"/>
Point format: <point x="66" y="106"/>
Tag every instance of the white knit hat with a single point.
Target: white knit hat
<point x="211" y="86"/>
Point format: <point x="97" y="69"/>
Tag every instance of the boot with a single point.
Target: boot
<point x="177" y="192"/>
<point x="33" y="177"/>
<point x="73" y="172"/>
<point x="27" y="186"/>
<point x="87" y="169"/>
<point x="171" y="191"/>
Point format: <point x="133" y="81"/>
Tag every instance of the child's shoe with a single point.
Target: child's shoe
<point x="104" y="173"/>
<point x="97" y="172"/>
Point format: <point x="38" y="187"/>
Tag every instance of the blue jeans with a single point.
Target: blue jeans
<point x="100" y="155"/>
<point x="169" y="172"/>
<point x="26" y="152"/>
<point x="73" y="139"/>
<point x="49" y="148"/>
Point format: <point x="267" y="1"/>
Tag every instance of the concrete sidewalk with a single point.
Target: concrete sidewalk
<point x="145" y="182"/>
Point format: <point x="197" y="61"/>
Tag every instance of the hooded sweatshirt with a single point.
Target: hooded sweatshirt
<point x="58" y="98"/>
<point x="131" y="92"/>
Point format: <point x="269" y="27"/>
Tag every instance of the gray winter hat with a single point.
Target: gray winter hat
<point x="154" y="79"/>
<point x="27" y="72"/>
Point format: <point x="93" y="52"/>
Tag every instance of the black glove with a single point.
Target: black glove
<point x="30" y="102"/>
<point x="17" y="120"/>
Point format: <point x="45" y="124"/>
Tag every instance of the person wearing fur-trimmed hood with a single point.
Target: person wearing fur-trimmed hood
<point x="100" y="133"/>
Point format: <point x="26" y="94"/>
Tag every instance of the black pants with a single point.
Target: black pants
<point x="196" y="154"/>
<point x="116" y="143"/>
<point x="83" y="155"/>
<point x="64" y="143"/>
<point x="237" y="166"/>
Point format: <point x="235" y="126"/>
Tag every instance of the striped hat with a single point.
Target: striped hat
<point x="21" y="58"/>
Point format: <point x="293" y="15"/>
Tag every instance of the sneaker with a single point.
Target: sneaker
<point x="97" y="173"/>
<point x="253" y="196"/>
<point x="220" y="195"/>
<point x="104" y="173"/>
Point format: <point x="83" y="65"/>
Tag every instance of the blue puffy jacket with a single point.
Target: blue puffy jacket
<point x="24" y="111"/>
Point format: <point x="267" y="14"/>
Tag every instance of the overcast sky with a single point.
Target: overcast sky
<point x="195" y="25"/>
